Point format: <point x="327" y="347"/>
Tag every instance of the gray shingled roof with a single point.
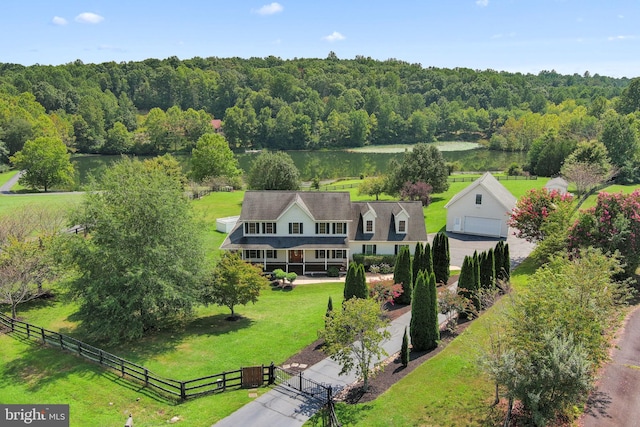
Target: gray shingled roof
<point x="493" y="186"/>
<point x="385" y="228"/>
<point x="269" y="205"/>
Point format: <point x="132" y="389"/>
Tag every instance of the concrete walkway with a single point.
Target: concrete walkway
<point x="286" y="408"/>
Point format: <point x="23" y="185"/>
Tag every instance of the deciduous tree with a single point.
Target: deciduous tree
<point x="212" y="158"/>
<point x="353" y="336"/>
<point x="234" y="282"/>
<point x="423" y="164"/>
<point x="142" y="266"/>
<point x="46" y="163"/>
<point x="274" y="171"/>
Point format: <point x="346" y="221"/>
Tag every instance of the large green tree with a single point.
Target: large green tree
<point x="234" y="282"/>
<point x="620" y="137"/>
<point x="274" y="171"/>
<point x="212" y="158"/>
<point x="423" y="164"/>
<point x="45" y="162"/>
<point x="142" y="265"/>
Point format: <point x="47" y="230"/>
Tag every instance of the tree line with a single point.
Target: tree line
<point x="156" y="106"/>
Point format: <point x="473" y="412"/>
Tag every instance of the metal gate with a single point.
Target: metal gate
<point x="298" y="382"/>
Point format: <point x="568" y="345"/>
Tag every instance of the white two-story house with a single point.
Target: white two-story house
<point x="310" y="231"/>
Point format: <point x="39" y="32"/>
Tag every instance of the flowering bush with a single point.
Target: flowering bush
<point x="384" y="291"/>
<point x="612" y="225"/>
<point x="533" y="209"/>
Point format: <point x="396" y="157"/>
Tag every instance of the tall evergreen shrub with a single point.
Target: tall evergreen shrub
<point x="441" y="258"/>
<point x="349" y="282"/>
<point x="402" y="275"/>
<point x="487" y="269"/>
<point x="417" y="260"/>
<point x="404" y="350"/>
<point x="360" y="287"/>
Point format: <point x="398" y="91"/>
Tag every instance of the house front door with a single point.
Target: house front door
<point x="296" y="256"/>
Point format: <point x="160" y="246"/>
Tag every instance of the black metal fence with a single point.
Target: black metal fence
<point x="132" y="371"/>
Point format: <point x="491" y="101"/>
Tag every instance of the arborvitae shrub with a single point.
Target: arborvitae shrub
<point x="441" y="258"/>
<point x="404" y="350"/>
<point x="402" y="275"/>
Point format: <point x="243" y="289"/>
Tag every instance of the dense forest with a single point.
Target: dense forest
<point x="157" y="106"/>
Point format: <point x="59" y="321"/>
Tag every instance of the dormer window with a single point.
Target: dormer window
<point x="251" y="228"/>
<point x="402" y="226"/>
<point x="369" y="226"/>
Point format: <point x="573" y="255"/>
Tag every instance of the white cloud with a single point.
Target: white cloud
<point x="89" y="18"/>
<point x="617" y="38"/>
<point x="334" y="37"/>
<point x="58" y="21"/>
<point x="482" y="3"/>
<point x="269" y="9"/>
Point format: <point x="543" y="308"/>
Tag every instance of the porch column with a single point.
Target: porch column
<point x="326" y="259"/>
<point x="264" y="260"/>
<point x="304" y="262"/>
<point x="287" y="262"/>
<point x="347" y="252"/>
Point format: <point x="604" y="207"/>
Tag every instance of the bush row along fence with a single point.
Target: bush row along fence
<point x="242" y="378"/>
<point x="450" y="179"/>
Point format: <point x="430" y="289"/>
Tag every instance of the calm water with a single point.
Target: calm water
<point x="333" y="164"/>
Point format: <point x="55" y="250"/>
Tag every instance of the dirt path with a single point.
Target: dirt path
<point x="616" y="400"/>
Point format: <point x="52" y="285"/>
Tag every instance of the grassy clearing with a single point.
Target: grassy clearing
<point x="279" y="325"/>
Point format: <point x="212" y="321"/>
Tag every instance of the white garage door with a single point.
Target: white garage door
<point x="482" y="226"/>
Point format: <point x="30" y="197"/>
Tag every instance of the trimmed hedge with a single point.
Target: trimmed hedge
<point x="369" y="260"/>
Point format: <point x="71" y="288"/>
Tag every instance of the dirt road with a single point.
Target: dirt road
<point x="616" y="400"/>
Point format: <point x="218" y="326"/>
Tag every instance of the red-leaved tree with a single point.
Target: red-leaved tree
<point x="417" y="191"/>
<point x="533" y="209"/>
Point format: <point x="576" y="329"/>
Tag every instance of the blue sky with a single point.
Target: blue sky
<point x="569" y="36"/>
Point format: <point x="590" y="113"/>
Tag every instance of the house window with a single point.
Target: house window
<point x="320" y="254"/>
<point x="402" y="226"/>
<point x="478" y="199"/>
<point x="340" y="228"/>
<point x="272" y="254"/>
<point x="268" y="228"/>
<point x="369" y="249"/>
<point x="251" y="228"/>
<point x="295" y="228"/>
<point x="369" y="226"/>
<point x="252" y="254"/>
<point x="322" y="228"/>
<point x="339" y="253"/>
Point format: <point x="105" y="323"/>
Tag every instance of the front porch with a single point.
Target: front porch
<point x="300" y="261"/>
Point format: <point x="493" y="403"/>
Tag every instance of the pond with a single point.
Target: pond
<point x="339" y="163"/>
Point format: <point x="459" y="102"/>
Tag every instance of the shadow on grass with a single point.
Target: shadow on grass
<point x="351" y="414"/>
<point x="39" y="366"/>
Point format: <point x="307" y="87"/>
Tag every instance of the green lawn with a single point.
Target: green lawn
<point x="277" y="326"/>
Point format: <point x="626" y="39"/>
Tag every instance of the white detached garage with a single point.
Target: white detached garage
<point x="482" y="209"/>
